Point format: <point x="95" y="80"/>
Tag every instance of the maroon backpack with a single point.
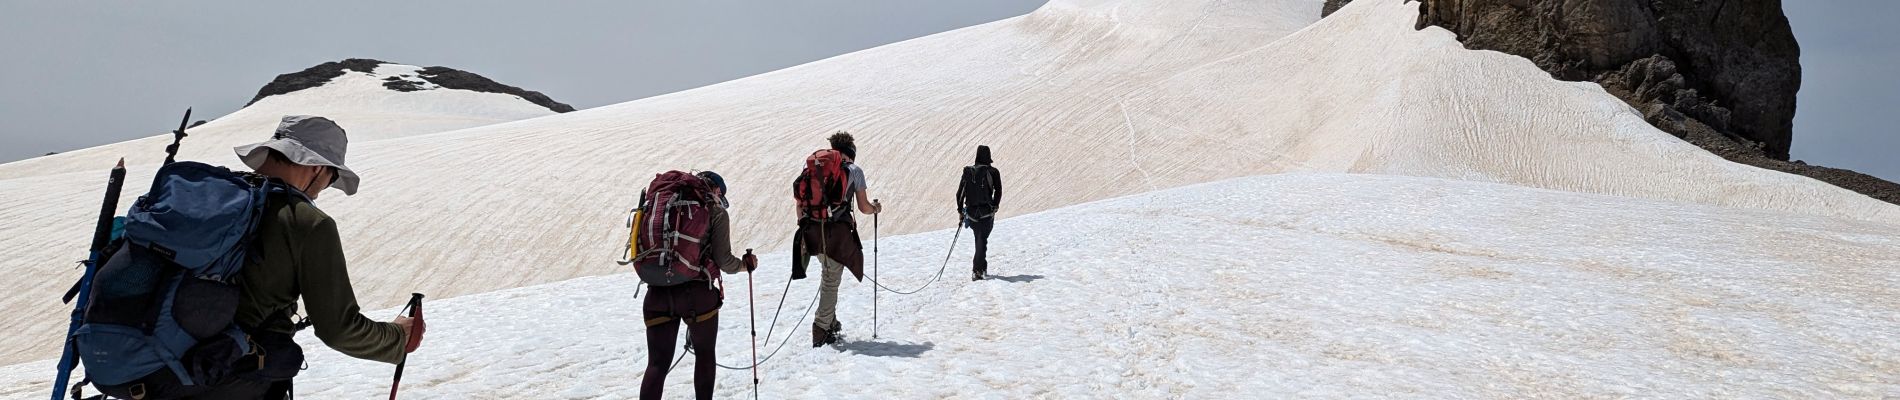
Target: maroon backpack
<point x="823" y="188"/>
<point x="674" y="220"/>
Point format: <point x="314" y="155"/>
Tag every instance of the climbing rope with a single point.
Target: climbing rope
<point x="768" y="331"/>
<point x="940" y="270"/>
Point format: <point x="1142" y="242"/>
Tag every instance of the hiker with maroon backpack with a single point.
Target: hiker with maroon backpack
<point x="826" y="228"/>
<point x="683" y="244"/>
<point x="978" y="196"/>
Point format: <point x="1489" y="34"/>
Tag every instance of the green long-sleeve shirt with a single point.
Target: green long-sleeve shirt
<point x="300" y="254"/>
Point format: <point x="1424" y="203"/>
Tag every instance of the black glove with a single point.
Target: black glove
<point x="751" y="261"/>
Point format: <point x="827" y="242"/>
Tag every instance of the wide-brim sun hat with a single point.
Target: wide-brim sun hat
<point x="306" y="140"/>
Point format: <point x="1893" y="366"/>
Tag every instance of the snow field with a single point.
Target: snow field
<point x="1081" y="100"/>
<point x="1300" y="285"/>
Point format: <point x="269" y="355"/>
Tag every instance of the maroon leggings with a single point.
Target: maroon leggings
<point x="685" y="302"/>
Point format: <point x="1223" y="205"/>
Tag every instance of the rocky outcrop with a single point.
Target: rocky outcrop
<point x="313" y="77"/>
<point x="1734" y="65"/>
<point x="439" y="76"/>
<point x="1331" y="6"/>
<point x="1713" y="140"/>
<point x="457" y="79"/>
<point x="1721" y="74"/>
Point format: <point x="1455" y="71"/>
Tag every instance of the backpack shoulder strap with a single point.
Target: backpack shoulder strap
<point x="982" y="172"/>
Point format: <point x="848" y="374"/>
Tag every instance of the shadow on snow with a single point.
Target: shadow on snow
<point x="887" y="349"/>
<point x="1017" y="278"/>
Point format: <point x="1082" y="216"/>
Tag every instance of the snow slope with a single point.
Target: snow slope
<point x="355" y="100"/>
<point x="1082" y="101"/>
<point x="1298" y="285"/>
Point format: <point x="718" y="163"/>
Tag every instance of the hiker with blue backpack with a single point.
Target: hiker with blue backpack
<point x="232" y="253"/>
<point x="681" y="243"/>
<point x="302" y="253"/>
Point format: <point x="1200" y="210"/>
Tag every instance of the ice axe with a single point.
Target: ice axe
<point x="415" y="311"/>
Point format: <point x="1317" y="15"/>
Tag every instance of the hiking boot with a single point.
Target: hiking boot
<point x="821" y="337"/>
<point x="976" y="276"/>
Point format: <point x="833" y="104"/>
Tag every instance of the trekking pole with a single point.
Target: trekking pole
<point x="177" y="136"/>
<point x="752" y="317"/>
<point x="874" y="273"/>
<point x="415" y="311"/>
<point x="101" y="235"/>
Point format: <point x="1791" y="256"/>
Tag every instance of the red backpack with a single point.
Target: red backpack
<point x="674" y="220"/>
<point x="823" y="189"/>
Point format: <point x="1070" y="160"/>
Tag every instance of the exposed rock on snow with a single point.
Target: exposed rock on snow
<point x="1722" y="75"/>
<point x="1734" y="55"/>
<point x="440" y="76"/>
<point x="356" y="97"/>
<point x="1332" y="6"/>
<point x="457" y="79"/>
<point x="313" y="77"/>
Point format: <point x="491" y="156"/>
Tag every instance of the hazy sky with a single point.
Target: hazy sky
<point x="78" y="74"/>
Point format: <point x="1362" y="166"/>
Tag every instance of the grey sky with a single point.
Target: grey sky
<point x="1850" y="96"/>
<point x="78" y="74"/>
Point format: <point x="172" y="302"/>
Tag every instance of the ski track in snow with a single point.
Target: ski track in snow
<point x="1302" y="285"/>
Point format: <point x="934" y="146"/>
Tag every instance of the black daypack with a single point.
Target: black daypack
<point x="978" y="189"/>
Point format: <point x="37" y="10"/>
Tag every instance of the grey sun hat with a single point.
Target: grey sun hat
<point x="306" y="140"/>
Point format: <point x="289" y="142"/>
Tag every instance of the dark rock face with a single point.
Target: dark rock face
<point x="457" y="79"/>
<point x="1738" y="60"/>
<point x="441" y="76"/>
<point x="313" y="77"/>
<point x="1332" y="6"/>
<point x="1721" y="74"/>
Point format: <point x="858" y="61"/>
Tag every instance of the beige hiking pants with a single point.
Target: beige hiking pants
<point x="833" y="274"/>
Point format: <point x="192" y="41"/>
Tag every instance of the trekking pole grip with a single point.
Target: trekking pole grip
<point x="415" y="304"/>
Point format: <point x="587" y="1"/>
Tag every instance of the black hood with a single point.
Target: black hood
<point x="983" y="155"/>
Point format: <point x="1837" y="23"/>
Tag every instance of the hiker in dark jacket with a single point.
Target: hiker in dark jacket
<point x="979" y="193"/>
<point x="699" y="301"/>
<point x="300" y="255"/>
<point x="837" y="245"/>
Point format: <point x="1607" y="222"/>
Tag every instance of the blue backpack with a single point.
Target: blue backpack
<point x="160" y="320"/>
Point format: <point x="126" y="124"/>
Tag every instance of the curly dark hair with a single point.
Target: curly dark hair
<point x="843" y="143"/>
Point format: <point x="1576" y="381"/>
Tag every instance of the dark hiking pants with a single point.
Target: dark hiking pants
<point x="698" y="305"/>
<point x="981" y="227"/>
